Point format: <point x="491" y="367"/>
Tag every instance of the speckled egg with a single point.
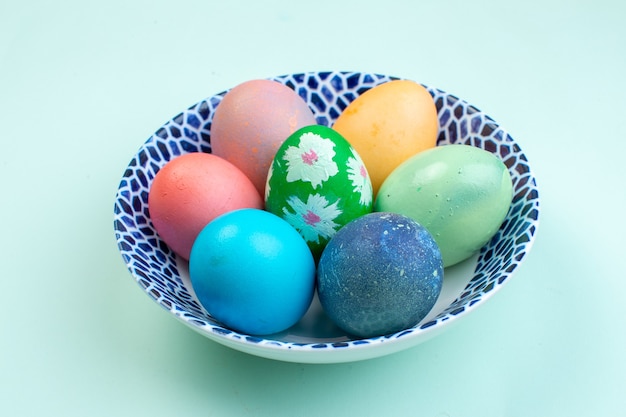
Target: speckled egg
<point x="317" y="182"/>
<point x="460" y="193"/>
<point x="379" y="274"/>
<point x="252" y="121"/>
<point x="252" y="271"/>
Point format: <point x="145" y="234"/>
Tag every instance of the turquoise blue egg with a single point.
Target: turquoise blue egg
<point x="252" y="272"/>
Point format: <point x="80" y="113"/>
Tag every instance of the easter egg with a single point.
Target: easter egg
<point x="190" y="191"/>
<point x="379" y="274"/>
<point x="388" y="124"/>
<point x="460" y="193"/>
<point x="252" y="121"/>
<point x="317" y="183"/>
<point x="252" y="272"/>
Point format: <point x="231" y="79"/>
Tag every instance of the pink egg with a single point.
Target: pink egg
<point x="252" y="121"/>
<point x="190" y="191"/>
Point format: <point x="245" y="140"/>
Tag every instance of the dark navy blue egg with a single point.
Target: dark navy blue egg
<point x="379" y="274"/>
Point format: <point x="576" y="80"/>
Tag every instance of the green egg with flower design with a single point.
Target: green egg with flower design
<point x="318" y="183"/>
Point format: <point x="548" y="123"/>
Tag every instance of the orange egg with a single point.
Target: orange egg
<point x="388" y="124"/>
<point x="190" y="191"/>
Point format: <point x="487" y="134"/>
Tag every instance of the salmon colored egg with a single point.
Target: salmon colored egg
<point x="388" y="124"/>
<point x="252" y="121"/>
<point x="190" y="191"/>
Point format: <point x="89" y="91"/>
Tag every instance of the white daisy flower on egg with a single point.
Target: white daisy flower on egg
<point x="357" y="173"/>
<point x="313" y="219"/>
<point x="312" y="160"/>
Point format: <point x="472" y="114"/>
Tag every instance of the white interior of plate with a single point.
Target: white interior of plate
<point x="315" y="339"/>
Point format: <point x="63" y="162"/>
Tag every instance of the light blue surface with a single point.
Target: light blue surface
<point x="83" y="85"/>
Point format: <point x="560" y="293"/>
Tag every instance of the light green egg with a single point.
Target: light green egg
<point x="460" y="193"/>
<point x="318" y="183"/>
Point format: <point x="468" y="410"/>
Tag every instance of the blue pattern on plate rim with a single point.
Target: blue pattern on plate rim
<point x="154" y="265"/>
